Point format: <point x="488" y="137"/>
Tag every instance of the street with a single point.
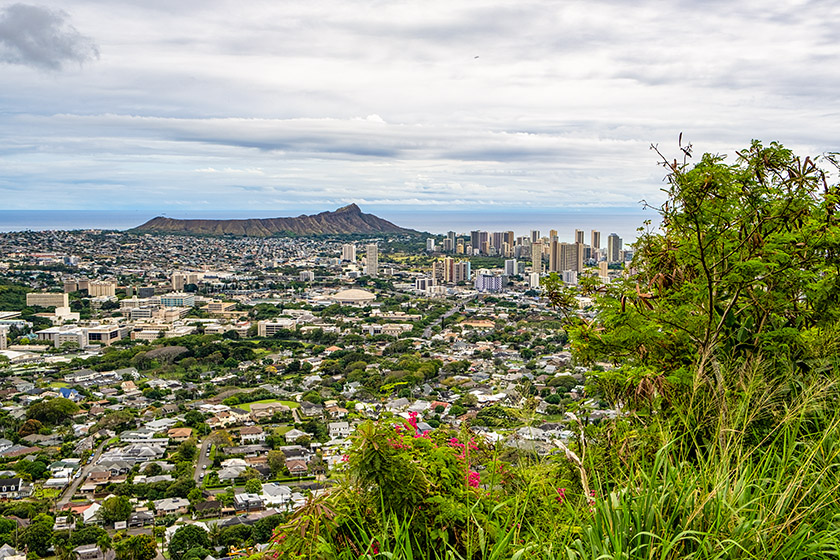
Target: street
<point x="68" y="493"/>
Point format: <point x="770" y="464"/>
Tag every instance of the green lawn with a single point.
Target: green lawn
<point x="247" y="406"/>
<point x="59" y="384"/>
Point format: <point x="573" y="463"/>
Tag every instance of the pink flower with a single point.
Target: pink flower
<point x="561" y="496"/>
<point x="454" y="443"/>
<point x="473" y="479"/>
<point x="345" y="458"/>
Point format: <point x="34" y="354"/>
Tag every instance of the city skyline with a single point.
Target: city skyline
<point x="474" y="105"/>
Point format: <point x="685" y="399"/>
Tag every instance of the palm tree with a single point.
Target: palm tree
<point x="64" y="552"/>
<point x="214" y="532"/>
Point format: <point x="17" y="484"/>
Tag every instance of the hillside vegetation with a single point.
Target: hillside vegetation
<point x="724" y="345"/>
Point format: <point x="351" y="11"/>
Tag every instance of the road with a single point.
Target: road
<point x="427" y="332"/>
<point x="68" y="493"/>
<point x="202" y="460"/>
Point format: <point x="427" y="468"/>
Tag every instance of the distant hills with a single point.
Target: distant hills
<point x="349" y="219"/>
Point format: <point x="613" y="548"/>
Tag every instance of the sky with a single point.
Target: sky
<point x="299" y="107"/>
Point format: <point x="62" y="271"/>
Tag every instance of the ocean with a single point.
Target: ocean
<point x="623" y="221"/>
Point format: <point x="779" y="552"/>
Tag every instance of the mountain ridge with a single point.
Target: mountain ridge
<point x="345" y="220"/>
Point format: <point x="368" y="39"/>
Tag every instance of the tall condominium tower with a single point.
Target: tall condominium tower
<point x="510" y="267"/>
<point x="475" y="241"/>
<point x="613" y="248"/>
<point x="348" y="252"/>
<point x="579" y="236"/>
<point x="372" y="259"/>
<point x="565" y="256"/>
<point x="536" y="256"/>
<point x="596" y="240"/>
<point x="535" y="235"/>
<point x="496" y="241"/>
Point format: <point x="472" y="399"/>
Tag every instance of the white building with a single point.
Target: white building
<point x="348" y="252"/>
<point x="371" y="259"/>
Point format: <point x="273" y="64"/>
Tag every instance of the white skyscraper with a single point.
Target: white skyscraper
<point x="372" y="259"/>
<point x="348" y="252"/>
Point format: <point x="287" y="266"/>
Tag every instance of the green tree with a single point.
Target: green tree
<point x="115" y="508"/>
<point x="136" y="547"/>
<point x="37" y="538"/>
<point x="253" y="486"/>
<point x="187" y="450"/>
<point x="746" y="264"/>
<point x="187" y="538"/>
<point x="52" y="411"/>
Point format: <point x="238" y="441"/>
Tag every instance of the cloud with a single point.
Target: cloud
<point x="42" y="38"/>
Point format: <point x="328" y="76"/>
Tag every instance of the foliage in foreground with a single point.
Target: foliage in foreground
<point x="729" y="442"/>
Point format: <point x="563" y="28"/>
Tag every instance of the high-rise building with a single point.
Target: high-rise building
<point x="102" y="288"/>
<point x="450" y="235"/>
<point x="488" y="283"/>
<point x="430" y="245"/>
<point x="348" y="252"/>
<point x="603" y="269"/>
<point x="536" y="256"/>
<point x="509" y="238"/>
<point x="570" y="277"/>
<point x="307" y="276"/>
<point x="554" y="256"/>
<point x="552" y="235"/>
<point x="596" y="239"/>
<point x="579" y="236"/>
<point x="463" y="271"/>
<point x="534" y="280"/>
<point x="424" y="283"/>
<point x="496" y="241"/>
<point x="475" y="241"/>
<point x="371" y="259"/>
<point x="613" y="248"/>
<point x="439" y="271"/>
<point x="47" y="299"/>
<point x="565" y="256"/>
<point x="510" y="267"/>
<point x="4" y="332"/>
<point x="535" y="235"/>
<point x="179" y="280"/>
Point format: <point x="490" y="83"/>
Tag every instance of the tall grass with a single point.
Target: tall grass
<point x="750" y="469"/>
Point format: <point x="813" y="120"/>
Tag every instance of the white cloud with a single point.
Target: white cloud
<point x="310" y="105"/>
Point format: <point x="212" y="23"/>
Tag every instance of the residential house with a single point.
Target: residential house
<point x="14" y="488"/>
<point x="339" y="430"/>
<point x="247" y="502"/>
<point x="209" y="508"/>
<point x="292" y="435"/>
<point x="141" y="519"/>
<point x="93" y="552"/>
<point x="297" y="467"/>
<point x="178" y="435"/>
<point x="252" y="434"/>
<point x="171" y="505"/>
<point x="274" y="494"/>
<point x="9" y="553"/>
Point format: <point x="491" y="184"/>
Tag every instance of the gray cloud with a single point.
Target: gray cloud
<point x="42" y="38"/>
